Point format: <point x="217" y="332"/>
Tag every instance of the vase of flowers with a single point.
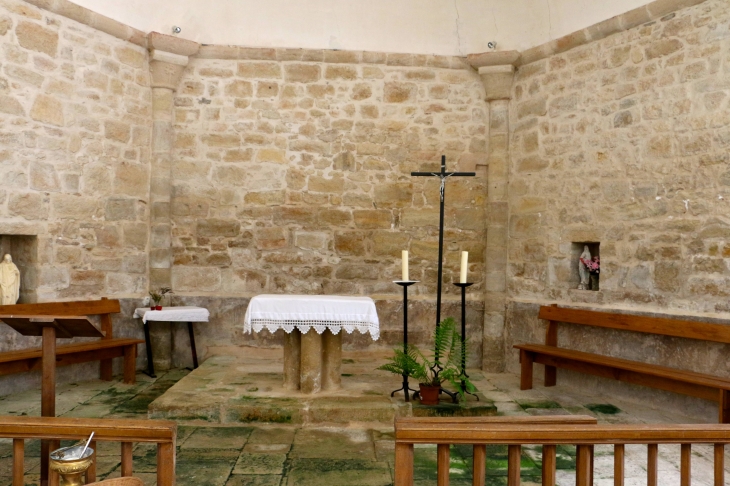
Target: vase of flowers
<point x="157" y="296"/>
<point x="593" y="266"/>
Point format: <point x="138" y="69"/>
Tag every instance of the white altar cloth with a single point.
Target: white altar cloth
<point x="183" y="313"/>
<point x="320" y="312"/>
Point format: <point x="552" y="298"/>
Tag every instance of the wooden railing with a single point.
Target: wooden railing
<point x="515" y="434"/>
<point x="55" y="429"/>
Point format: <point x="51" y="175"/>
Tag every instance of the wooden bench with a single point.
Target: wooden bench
<point x="103" y="350"/>
<point x="690" y="383"/>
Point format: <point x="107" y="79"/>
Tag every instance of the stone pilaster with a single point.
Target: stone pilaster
<point x="497" y="81"/>
<point x="168" y="58"/>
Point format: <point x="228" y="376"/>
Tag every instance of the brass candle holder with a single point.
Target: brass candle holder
<point x="67" y="463"/>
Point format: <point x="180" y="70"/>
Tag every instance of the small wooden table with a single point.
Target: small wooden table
<point x="50" y="328"/>
<point x="187" y="314"/>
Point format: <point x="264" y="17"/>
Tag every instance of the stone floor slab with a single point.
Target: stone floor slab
<point x="253" y="480"/>
<point x="217" y="438"/>
<point x="260" y="464"/>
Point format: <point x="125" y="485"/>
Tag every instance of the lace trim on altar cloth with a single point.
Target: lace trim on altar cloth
<point x="319" y="326"/>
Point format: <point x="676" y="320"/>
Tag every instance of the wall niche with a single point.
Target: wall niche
<point x="577" y="248"/>
<point x="24" y="250"/>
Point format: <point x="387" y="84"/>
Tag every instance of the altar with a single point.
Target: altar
<point x="314" y="325"/>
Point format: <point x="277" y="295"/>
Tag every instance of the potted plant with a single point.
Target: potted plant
<point x="432" y="373"/>
<point x="157" y="296"/>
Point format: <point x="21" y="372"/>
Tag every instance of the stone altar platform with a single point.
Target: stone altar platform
<point x="245" y="385"/>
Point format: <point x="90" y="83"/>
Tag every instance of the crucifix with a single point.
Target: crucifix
<point x="443" y="175"/>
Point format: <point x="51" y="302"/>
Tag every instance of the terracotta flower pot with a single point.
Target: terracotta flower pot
<point x="429" y="394"/>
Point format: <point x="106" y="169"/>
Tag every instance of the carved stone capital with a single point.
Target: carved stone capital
<point x="168" y="57"/>
<point x="165" y="75"/>
<point x="497" y="81"/>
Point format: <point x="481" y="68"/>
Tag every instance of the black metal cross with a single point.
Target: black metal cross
<point x="443" y="175"/>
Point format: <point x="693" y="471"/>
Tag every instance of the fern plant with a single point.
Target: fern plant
<point x="429" y="371"/>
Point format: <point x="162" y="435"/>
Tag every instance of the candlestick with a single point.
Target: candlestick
<point x="406" y="388"/>
<point x="404" y="265"/>
<point x="463" y="286"/>
<point x="464" y="265"/>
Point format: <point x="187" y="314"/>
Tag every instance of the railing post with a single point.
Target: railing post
<point x="652" y="464"/>
<point x="719" y="464"/>
<point x="18" y="462"/>
<point x="479" y="469"/>
<point x="514" y="456"/>
<point x="583" y="466"/>
<point x="685" y="468"/>
<point x="443" y="463"/>
<point x="127" y="459"/>
<point x="166" y="464"/>
<point x="403" y="464"/>
<point x="53" y="477"/>
<point x="91" y="472"/>
<point x="618" y="464"/>
<point x="548" y="465"/>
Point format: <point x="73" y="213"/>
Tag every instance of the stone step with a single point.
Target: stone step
<point x="222" y="391"/>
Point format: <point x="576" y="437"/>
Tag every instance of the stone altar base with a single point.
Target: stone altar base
<point x="246" y="385"/>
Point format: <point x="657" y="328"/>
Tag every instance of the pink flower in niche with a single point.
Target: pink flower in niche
<point x="593" y="265"/>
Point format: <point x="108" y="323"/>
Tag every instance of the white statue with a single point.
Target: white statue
<point x="9" y="281"/>
<point x="582" y="269"/>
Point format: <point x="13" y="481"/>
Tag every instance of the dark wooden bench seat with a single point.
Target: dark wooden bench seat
<point x="30" y="359"/>
<point x="676" y="380"/>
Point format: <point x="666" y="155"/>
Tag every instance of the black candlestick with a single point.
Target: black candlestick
<point x="463" y="334"/>
<point x="405" y="284"/>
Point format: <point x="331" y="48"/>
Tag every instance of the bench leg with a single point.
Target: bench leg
<point x="724" y="406"/>
<point x="105" y="370"/>
<point x="526" y="359"/>
<point x="130" y="363"/>
<point x="551" y="375"/>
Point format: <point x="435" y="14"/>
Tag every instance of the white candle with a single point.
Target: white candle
<point x="464" y="264"/>
<point x="404" y="265"/>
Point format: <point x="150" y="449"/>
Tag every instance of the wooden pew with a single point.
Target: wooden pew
<point x="676" y="380"/>
<point x="103" y="350"/>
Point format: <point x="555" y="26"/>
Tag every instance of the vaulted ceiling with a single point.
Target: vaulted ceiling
<point x="448" y="27"/>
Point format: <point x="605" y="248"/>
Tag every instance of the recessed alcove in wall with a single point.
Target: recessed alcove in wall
<point x="576" y="250"/>
<point x="24" y="250"/>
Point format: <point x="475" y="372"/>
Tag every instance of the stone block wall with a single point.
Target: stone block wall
<point x="624" y="141"/>
<point x="293" y="176"/>
<point x="74" y="153"/>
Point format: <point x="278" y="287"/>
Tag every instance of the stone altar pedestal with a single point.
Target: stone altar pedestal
<point x="312" y="362"/>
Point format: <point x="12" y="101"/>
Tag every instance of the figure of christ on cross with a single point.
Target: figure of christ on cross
<point x="443" y="175"/>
